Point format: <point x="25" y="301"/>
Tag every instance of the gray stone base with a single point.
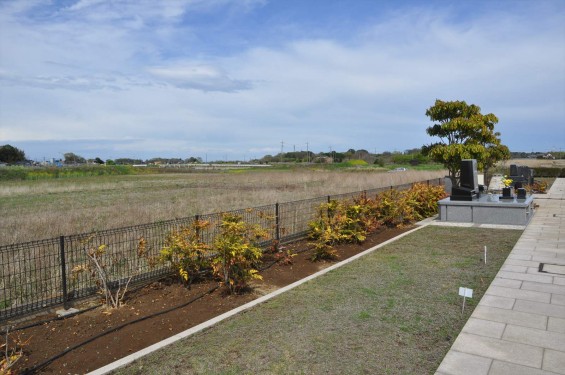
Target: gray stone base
<point x="482" y="211"/>
<point x="64" y="312"/>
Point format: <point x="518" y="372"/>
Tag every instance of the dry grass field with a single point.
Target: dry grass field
<point x="34" y="210"/>
<point x="533" y="163"/>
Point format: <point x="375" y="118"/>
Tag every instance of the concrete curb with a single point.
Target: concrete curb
<point x="191" y="331"/>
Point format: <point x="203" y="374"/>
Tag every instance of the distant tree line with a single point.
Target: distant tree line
<point x="415" y="156"/>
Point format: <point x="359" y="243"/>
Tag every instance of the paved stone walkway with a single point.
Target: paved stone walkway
<point x="518" y="326"/>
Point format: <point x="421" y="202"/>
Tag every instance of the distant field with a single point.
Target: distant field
<point x="33" y="210"/>
<point x="533" y="163"/>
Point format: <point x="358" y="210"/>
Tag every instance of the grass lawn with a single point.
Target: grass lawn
<point x="394" y="311"/>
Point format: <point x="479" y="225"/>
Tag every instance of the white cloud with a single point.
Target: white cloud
<point x="135" y="71"/>
<point x="199" y="77"/>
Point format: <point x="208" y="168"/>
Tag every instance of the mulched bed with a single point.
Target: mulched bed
<point x="53" y="338"/>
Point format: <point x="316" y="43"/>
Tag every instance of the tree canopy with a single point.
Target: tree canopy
<point x="71" y="158"/>
<point x="464" y="133"/>
<point x="10" y="154"/>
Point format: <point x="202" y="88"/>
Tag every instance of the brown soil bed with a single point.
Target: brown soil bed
<point x="53" y="338"/>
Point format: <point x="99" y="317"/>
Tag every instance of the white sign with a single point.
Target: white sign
<point x="466" y="292"/>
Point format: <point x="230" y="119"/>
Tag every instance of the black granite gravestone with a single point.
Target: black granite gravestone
<point x="469" y="186"/>
<point x="521" y="173"/>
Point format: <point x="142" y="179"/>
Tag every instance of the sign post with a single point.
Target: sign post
<point x="465" y="293"/>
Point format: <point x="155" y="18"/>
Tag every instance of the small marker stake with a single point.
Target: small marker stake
<point x="465" y="292"/>
<point x="485" y="255"/>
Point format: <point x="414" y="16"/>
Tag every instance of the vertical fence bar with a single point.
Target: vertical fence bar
<point x="197" y="226"/>
<point x="277" y="224"/>
<point x="63" y="272"/>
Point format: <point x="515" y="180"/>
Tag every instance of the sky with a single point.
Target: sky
<point x="240" y="79"/>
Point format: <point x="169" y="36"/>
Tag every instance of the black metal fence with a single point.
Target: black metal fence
<point x="40" y="274"/>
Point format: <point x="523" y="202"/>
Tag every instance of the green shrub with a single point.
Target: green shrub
<point x="326" y="231"/>
<point x="549" y="172"/>
<point x="394" y="208"/>
<point x="185" y="251"/>
<point x="13" y="173"/>
<point x="342" y="222"/>
<point x="237" y="254"/>
<point x="398" y="208"/>
<point x="425" y="198"/>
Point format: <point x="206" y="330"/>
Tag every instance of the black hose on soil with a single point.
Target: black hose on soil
<point x="41" y="365"/>
<point x="34" y="369"/>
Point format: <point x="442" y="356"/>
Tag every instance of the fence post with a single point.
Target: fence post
<point x="277" y="224"/>
<point x="197" y="226"/>
<point x="64" y="272"/>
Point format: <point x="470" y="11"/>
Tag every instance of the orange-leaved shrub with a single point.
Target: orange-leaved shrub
<point x="186" y="252"/>
<point x="398" y="208"/>
<point x="425" y="198"/>
<point x="342" y="222"/>
<point x="237" y="253"/>
<point x="351" y="221"/>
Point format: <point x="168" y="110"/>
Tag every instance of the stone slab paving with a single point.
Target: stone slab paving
<point x="518" y="326"/>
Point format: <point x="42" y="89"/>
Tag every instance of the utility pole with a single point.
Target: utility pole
<point x="307" y="153"/>
<point x="282" y="147"/>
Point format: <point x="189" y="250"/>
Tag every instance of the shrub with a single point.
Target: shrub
<point x="549" y="172"/>
<point x="103" y="266"/>
<point x="12" y="351"/>
<point x="237" y="252"/>
<point x="325" y="231"/>
<point x="342" y="222"/>
<point x="397" y="208"/>
<point x="425" y="198"/>
<point x="539" y="187"/>
<point x="98" y="268"/>
<point x="186" y="252"/>
<point x="394" y="208"/>
<point x="285" y="256"/>
<point x="12" y="173"/>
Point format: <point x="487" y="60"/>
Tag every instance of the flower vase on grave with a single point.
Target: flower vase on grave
<point x="507" y="193"/>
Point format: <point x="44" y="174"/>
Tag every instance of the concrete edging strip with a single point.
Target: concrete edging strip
<point x="209" y="323"/>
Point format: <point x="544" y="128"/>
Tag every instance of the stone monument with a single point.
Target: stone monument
<point x="521" y="174"/>
<point x="467" y="205"/>
<point x="468" y="188"/>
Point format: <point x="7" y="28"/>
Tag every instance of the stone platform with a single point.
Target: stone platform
<point x="483" y="211"/>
